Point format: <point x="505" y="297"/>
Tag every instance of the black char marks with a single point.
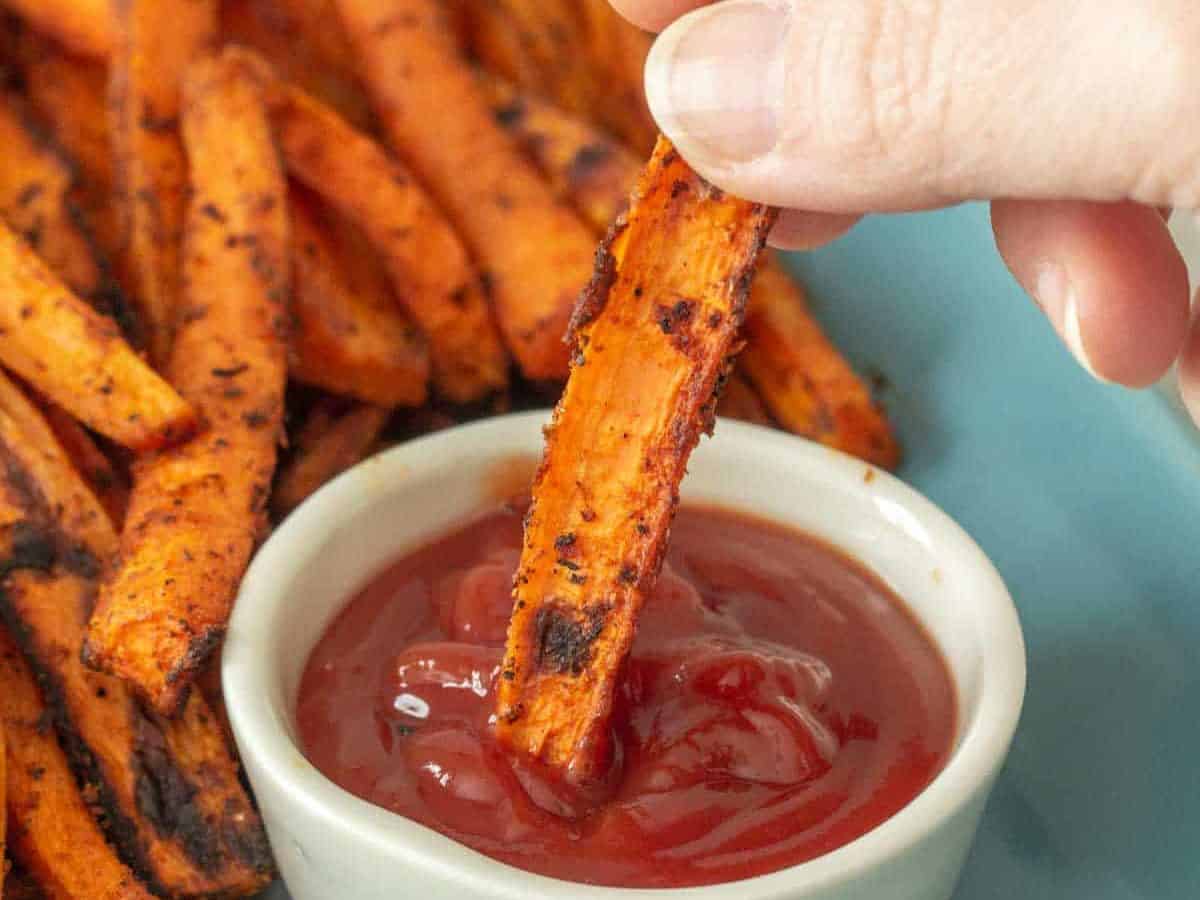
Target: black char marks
<point x="564" y="636"/>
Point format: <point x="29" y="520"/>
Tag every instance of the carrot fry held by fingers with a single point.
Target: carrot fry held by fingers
<point x="349" y="335"/>
<point x="93" y="373"/>
<point x="807" y="385"/>
<point x="156" y="39"/>
<point x="653" y="336"/>
<point x="195" y="844"/>
<point x="536" y="254"/>
<point x="35" y="200"/>
<point x="427" y="264"/>
<point x="57" y="842"/>
<point x="86" y="26"/>
<point x="197" y="510"/>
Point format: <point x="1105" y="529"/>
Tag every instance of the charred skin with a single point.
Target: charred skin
<point x="653" y="336"/>
<point x="197" y="510"/>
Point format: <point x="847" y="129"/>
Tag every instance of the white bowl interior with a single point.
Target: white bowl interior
<point x="354" y="527"/>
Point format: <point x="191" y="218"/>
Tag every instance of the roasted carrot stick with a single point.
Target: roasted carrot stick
<point x="86" y="26"/>
<point x="205" y="840"/>
<point x="55" y="837"/>
<point x="36" y="183"/>
<point x="349" y="335"/>
<point x="156" y="39"/>
<point x="536" y="254"/>
<point x="107" y="482"/>
<point x="197" y="510"/>
<point x="739" y="401"/>
<point x="807" y="385"/>
<point x="92" y="373"/>
<point x="346" y="442"/>
<point x="653" y="336"/>
<point x="428" y="266"/>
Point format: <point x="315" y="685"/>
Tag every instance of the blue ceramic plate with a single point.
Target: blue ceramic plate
<point x="1088" y="500"/>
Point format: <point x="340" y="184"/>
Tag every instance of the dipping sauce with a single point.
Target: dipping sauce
<point x="779" y="702"/>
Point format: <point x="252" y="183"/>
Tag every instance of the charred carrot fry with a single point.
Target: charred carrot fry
<point x="739" y="401"/>
<point x="586" y="168"/>
<point x="36" y="182"/>
<point x="349" y="336"/>
<point x="67" y="95"/>
<point x="197" y="510"/>
<point x="86" y="26"/>
<point x="428" y="266"/>
<point x="343" y="444"/>
<point x="18" y="884"/>
<point x="93" y="373"/>
<point x="55" y="837"/>
<point x="653" y="337"/>
<point x="808" y="386"/>
<point x="201" y="837"/>
<point x="156" y="39"/>
<point x="304" y="42"/>
<point x="535" y="252"/>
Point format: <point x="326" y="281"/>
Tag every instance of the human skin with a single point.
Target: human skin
<point x="1079" y="122"/>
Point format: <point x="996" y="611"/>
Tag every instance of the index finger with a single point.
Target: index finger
<point x="655" y="15"/>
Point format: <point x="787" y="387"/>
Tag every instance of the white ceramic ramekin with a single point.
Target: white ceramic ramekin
<point x="333" y="846"/>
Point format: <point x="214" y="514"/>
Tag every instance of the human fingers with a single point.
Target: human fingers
<point x="655" y="15"/>
<point x="1109" y="278"/>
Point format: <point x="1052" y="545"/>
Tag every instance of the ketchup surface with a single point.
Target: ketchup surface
<point x="779" y="702"/>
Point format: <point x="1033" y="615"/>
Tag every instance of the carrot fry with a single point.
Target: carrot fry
<point x="347" y="442"/>
<point x="54" y="836"/>
<point x="586" y="168"/>
<point x="801" y="377"/>
<point x="67" y="94"/>
<point x="653" y="336"/>
<point x="428" y="266"/>
<point x="487" y="33"/>
<point x="739" y="401"/>
<point x="19" y="884"/>
<point x="110" y="485"/>
<point x="92" y="372"/>
<point x="535" y="252"/>
<point x="304" y="42"/>
<point x="197" y="510"/>
<point x="809" y="388"/>
<point x="86" y="26"/>
<point x="201" y="836"/>
<point x="617" y="51"/>
<point x="35" y="188"/>
<point x="156" y="39"/>
<point x="349" y="335"/>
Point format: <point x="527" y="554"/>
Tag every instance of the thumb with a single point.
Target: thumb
<point x="871" y="105"/>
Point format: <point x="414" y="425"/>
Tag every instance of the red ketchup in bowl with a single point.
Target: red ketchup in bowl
<point x="779" y="702"/>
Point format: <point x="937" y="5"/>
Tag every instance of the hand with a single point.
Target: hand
<point x="1081" y="121"/>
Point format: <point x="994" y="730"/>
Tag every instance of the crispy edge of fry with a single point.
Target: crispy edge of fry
<point x="349" y="336"/>
<point x="343" y="444"/>
<point x="155" y="41"/>
<point x="54" y="836"/>
<point x="197" y="510"/>
<point x="37" y="185"/>
<point x="806" y="384"/>
<point x="429" y="268"/>
<point x="201" y="836"/>
<point x="86" y="26"/>
<point x="654" y="337"/>
<point x="535" y="253"/>
<point x="587" y="169"/>
<point x="77" y="357"/>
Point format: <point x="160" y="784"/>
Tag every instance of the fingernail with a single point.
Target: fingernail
<point x="715" y="80"/>
<point x="1056" y="296"/>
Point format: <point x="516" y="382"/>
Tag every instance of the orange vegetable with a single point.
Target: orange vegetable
<point x="653" y="337"/>
<point x="86" y="26"/>
<point x="535" y="253"/>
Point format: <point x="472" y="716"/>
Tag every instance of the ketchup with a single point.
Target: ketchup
<point x="779" y="702"/>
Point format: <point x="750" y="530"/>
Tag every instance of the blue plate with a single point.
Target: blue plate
<point x="1087" y="498"/>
